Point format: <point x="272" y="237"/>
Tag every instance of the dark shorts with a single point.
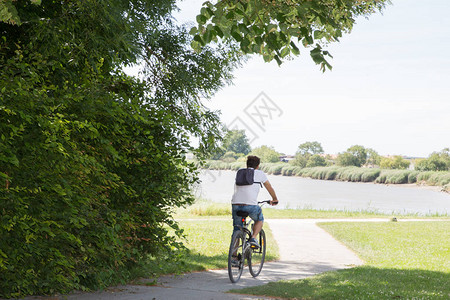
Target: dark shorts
<point x="254" y="212"/>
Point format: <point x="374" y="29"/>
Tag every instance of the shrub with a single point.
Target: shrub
<point x="287" y="170"/>
<point x="92" y="161"/>
<point x="331" y="174"/>
<point x="424" y="176"/>
<point x="412" y="177"/>
<point x="276" y="169"/>
<point x="393" y="176"/>
<point x="439" y="178"/>
<point x="396" y="162"/>
<point x="237" y="165"/>
<point x="370" y="175"/>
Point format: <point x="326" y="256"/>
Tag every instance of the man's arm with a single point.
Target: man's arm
<point x="271" y="191"/>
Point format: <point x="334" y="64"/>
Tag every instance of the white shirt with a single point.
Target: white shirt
<point x="248" y="194"/>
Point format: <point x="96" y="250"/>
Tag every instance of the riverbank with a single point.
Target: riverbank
<point x="438" y="180"/>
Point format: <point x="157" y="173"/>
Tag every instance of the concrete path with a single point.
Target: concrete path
<point x="305" y="250"/>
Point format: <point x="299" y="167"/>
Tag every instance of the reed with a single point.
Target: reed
<point x="353" y="174"/>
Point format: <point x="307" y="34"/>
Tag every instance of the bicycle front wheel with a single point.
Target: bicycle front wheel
<point x="236" y="257"/>
<point x="257" y="256"/>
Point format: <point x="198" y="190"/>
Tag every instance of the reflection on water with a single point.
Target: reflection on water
<point x="297" y="192"/>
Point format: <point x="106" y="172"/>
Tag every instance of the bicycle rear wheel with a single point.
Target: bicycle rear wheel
<point x="236" y="257"/>
<point x="257" y="256"/>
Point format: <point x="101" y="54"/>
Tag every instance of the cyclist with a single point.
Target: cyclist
<point x="245" y="199"/>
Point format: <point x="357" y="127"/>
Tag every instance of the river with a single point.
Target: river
<point x="298" y="192"/>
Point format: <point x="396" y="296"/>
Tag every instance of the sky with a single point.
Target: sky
<point x="389" y="89"/>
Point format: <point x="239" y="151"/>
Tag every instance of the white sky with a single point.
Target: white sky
<point x="389" y="89"/>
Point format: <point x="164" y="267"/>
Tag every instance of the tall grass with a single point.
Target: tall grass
<point x="354" y="174"/>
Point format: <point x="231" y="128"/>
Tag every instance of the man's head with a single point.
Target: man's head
<point x="253" y="162"/>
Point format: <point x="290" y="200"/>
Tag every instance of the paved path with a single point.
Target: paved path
<point x="305" y="250"/>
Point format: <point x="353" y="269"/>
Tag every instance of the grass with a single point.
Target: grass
<point x="404" y="260"/>
<point x="207" y="209"/>
<point x="208" y="242"/>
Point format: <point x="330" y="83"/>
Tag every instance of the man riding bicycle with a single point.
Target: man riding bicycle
<point x="245" y="198"/>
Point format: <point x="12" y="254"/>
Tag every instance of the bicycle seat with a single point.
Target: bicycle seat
<point x="241" y="213"/>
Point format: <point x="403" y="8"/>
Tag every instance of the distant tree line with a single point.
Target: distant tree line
<point x="235" y="147"/>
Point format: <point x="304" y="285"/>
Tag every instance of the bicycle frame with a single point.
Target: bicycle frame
<point x="246" y="252"/>
<point x="244" y="228"/>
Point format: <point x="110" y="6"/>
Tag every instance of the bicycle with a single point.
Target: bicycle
<point x="241" y="250"/>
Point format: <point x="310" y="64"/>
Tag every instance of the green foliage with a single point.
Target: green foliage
<point x="412" y="177"/>
<point x="437" y="161"/>
<point x="354" y="174"/>
<point x="230" y="156"/>
<point x="351" y="173"/>
<point x="234" y="141"/>
<point x="92" y="161"/>
<point x="276" y="29"/>
<point x="288" y="170"/>
<point x="354" y="156"/>
<point x="310" y="148"/>
<point x="237" y="141"/>
<point x="373" y="158"/>
<point x="393" y="176"/>
<point x="308" y="155"/>
<point x="438" y="178"/>
<point x="276" y="169"/>
<point x="300" y="161"/>
<point x="316" y="161"/>
<point x="396" y="162"/>
<point x="266" y="154"/>
<point x="9" y="14"/>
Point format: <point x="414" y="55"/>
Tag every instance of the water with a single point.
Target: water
<point x="297" y="192"/>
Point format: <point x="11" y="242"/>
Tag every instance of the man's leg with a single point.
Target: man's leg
<point x="257" y="228"/>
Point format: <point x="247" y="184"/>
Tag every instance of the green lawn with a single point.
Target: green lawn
<point x="404" y="260"/>
<point x="208" y="242"/>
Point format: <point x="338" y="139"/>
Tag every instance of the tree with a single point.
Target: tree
<point x="266" y="154"/>
<point x="396" y="162"/>
<point x="276" y="29"/>
<point x="437" y="161"/>
<point x="373" y="158"/>
<point x="236" y="141"/>
<point x="316" y="161"/>
<point x="354" y="156"/>
<point x="92" y="161"/>
<point x="308" y="155"/>
<point x="310" y="148"/>
<point x="231" y="156"/>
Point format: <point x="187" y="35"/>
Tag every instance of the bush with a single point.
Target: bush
<point x="93" y="161"/>
<point x="370" y="175"/>
<point x="437" y="161"/>
<point x="275" y="169"/>
<point x="237" y="165"/>
<point x="439" y="178"/>
<point x="412" y="177"/>
<point x="393" y="177"/>
<point x="424" y="176"/>
<point x="287" y="170"/>
<point x="396" y="162"/>
<point x="331" y="174"/>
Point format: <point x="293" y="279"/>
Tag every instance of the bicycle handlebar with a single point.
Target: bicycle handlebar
<point x="265" y="201"/>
